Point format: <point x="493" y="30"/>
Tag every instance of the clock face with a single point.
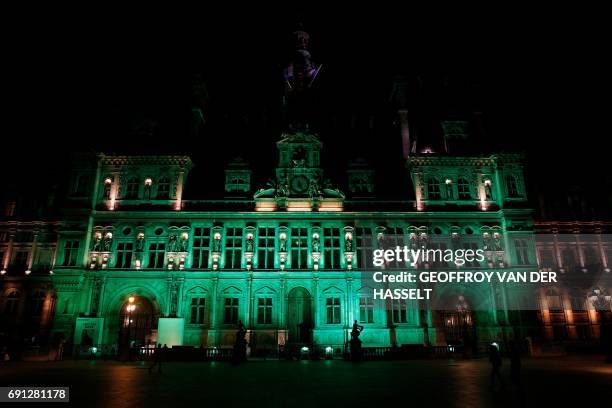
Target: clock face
<point x="299" y="184"/>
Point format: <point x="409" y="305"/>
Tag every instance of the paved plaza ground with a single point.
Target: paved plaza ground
<point x="432" y="383"/>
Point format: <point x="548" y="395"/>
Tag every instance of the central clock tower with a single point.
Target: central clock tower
<point x="299" y="162"/>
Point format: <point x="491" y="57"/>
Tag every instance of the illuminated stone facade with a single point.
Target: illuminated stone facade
<point x="288" y="262"/>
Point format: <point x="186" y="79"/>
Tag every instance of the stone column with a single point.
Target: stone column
<point x="33" y="251"/>
<point x="316" y="301"/>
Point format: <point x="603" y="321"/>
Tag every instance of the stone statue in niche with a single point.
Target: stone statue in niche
<point x="414" y="244"/>
<point x="140" y="243"/>
<point x="217" y="244"/>
<point x="108" y="242"/>
<point x="250" y="245"/>
<point x="497" y="246"/>
<point x="173" y="245"/>
<point x="424" y="240"/>
<point x="486" y="241"/>
<point x="348" y="244"/>
<point x="96" y="245"/>
<point x="184" y="244"/>
<point x="282" y="245"/>
<point x="316" y="243"/>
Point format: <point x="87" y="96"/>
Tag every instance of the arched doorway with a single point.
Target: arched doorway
<point x="137" y="322"/>
<point x="458" y="323"/>
<point x="299" y="316"/>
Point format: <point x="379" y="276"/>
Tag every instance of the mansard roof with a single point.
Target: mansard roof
<point x="166" y="160"/>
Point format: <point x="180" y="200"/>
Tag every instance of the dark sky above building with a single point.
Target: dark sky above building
<point x="86" y="83"/>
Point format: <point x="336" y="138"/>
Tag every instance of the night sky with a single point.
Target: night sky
<point x="87" y="83"/>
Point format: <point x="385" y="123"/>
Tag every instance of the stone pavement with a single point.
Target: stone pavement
<point x="448" y="383"/>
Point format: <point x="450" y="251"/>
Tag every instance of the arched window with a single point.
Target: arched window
<point x="38" y="302"/>
<point x="512" y="186"/>
<point x="11" y="303"/>
<point x="131" y="189"/>
<point x="463" y="188"/>
<point x="163" y="188"/>
<point x="433" y="189"/>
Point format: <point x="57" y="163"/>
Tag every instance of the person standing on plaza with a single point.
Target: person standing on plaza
<point x="496" y="362"/>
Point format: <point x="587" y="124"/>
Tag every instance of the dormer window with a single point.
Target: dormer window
<point x="163" y="188"/>
<point x="463" y="188"/>
<point x="512" y="186"/>
<point x="433" y="189"/>
<point x="131" y="191"/>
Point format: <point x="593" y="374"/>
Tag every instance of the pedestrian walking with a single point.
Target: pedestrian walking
<point x="496" y="363"/>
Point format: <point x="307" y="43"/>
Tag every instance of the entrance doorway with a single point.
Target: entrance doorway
<point x="137" y="323"/>
<point x="299" y="316"/>
<point x="459" y="324"/>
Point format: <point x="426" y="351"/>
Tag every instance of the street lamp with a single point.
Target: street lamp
<point x="129" y="308"/>
<point x="601" y="302"/>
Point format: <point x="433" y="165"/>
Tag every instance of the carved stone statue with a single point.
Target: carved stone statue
<point x="250" y="245"/>
<point x="348" y="245"/>
<point x="282" y="245"/>
<point x="107" y="243"/>
<point x="316" y="244"/>
<point x="497" y="245"/>
<point x="96" y="245"/>
<point x="282" y="190"/>
<point x="217" y="245"/>
<point x="140" y="244"/>
<point x="313" y="189"/>
<point x="184" y="244"/>
<point x="173" y="245"/>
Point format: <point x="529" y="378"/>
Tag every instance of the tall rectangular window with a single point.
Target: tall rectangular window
<point x="124" y="255"/>
<point x="157" y="252"/>
<point x="394" y="237"/>
<point x="264" y="311"/>
<point x="299" y="248"/>
<point x="21" y="259"/>
<point x="230" y="311"/>
<point x="436" y="258"/>
<point x="364" y="248"/>
<point x="71" y="252"/>
<point x="332" y="307"/>
<point x="331" y="247"/>
<point x="463" y="188"/>
<point x="399" y="311"/>
<point x="265" y="248"/>
<point x="200" y="250"/>
<point x="197" y="310"/>
<point x="366" y="309"/>
<point x="233" y="248"/>
<point x="522" y="256"/>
